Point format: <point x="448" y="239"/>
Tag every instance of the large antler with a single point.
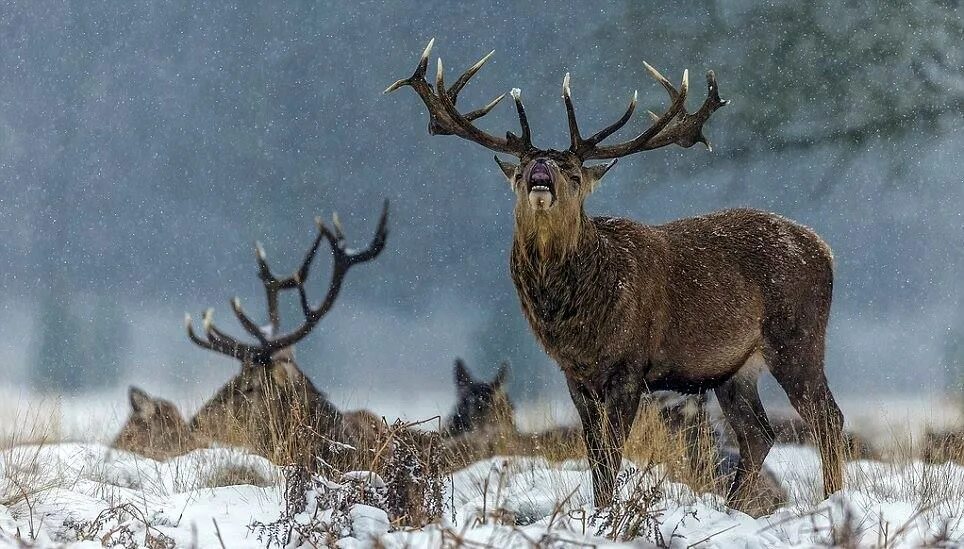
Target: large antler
<point x="445" y="119"/>
<point x="673" y="126"/>
<point x="270" y="341"/>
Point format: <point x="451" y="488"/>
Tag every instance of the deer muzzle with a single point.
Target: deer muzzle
<point x="541" y="186"/>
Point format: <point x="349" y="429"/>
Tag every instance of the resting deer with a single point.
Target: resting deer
<point x="479" y="405"/>
<point x="154" y="428"/>
<point x="482" y="424"/>
<point x="626" y="308"/>
<point x="271" y="404"/>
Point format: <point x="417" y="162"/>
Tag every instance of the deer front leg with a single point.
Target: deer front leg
<point x="607" y="417"/>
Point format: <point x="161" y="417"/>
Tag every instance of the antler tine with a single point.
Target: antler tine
<point x="675" y="126"/>
<point x="378" y="241"/>
<point x="189" y="325"/>
<point x="419" y="73"/>
<point x="467" y="75"/>
<point x="264" y="270"/>
<point x="615" y="126"/>
<point x="249" y="325"/>
<point x="445" y="119"/>
<point x="709" y="106"/>
<point x="479" y="113"/>
<point x="214" y="334"/>
<point x="526" y="139"/>
<point x="439" y="79"/>
<point x="273" y="285"/>
<point x="271" y="288"/>
<point x="344" y="259"/>
<point x="219" y="342"/>
<point x="268" y="344"/>
<point x="670" y="89"/>
<point x="579" y="145"/>
<point x="645" y="140"/>
<point x="303" y="270"/>
<point x="574" y="138"/>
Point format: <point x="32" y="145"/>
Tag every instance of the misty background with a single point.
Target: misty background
<point x="145" y="147"/>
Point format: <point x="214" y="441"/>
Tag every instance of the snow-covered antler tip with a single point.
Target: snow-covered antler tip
<point x="428" y="50"/>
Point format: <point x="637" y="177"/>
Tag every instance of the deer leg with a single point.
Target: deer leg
<point x="810" y="395"/>
<point x="606" y="421"/>
<point x="589" y="409"/>
<point x="740" y="403"/>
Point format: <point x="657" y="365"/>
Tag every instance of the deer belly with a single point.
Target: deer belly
<point x="702" y="364"/>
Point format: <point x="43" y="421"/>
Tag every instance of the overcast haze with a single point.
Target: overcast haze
<point x="145" y="147"/>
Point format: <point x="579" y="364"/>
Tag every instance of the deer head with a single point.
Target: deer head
<point x="551" y="185"/>
<point x="270" y="400"/>
<point x="154" y="428"/>
<point x="479" y="405"/>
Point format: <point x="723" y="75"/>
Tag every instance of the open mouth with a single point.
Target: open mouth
<point x="541" y="186"/>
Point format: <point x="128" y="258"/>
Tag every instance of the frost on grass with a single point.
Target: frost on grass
<point x="361" y="505"/>
<point x="318" y="512"/>
<point x="109" y="498"/>
<point x="124" y="526"/>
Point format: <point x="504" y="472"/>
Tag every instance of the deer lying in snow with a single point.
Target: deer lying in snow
<point x="482" y="424"/>
<point x="270" y="405"/>
<point x="626" y="308"/>
<point x="154" y="428"/>
<point x="479" y="406"/>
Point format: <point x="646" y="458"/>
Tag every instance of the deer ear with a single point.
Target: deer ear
<point x="508" y="168"/>
<point x="141" y="403"/>
<point x="597" y="171"/>
<point x="501" y="377"/>
<point x="462" y="376"/>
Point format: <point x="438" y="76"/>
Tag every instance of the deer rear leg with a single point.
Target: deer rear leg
<point x="810" y="395"/>
<point x="607" y="417"/>
<point x="741" y="406"/>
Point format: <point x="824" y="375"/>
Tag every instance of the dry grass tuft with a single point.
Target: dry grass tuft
<point x="118" y="527"/>
<point x="22" y="444"/>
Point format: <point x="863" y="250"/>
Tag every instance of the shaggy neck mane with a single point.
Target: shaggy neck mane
<point x="550" y="239"/>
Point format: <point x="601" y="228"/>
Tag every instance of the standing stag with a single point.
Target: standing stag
<point x="271" y="404"/>
<point x="687" y="306"/>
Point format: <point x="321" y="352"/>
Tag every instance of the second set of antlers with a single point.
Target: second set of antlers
<point x="269" y="339"/>
<point x="675" y="126"/>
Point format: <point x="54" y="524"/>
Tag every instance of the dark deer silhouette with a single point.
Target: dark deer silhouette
<point x="689" y="306"/>
<point x="482" y="424"/>
<point x="479" y="405"/>
<point x="271" y="405"/>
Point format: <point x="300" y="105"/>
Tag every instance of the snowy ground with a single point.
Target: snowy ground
<point x="71" y="487"/>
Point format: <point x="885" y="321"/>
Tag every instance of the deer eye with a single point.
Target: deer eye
<point x="576" y="179"/>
